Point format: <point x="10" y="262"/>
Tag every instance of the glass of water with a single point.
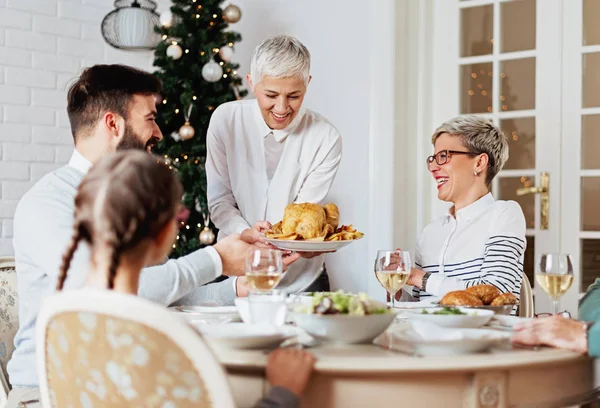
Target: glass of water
<point x="267" y="307"/>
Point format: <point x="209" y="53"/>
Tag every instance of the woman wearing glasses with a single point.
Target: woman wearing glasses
<point x="480" y="240"/>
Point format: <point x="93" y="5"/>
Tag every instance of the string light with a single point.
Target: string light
<point x="185" y="156"/>
<point x="164" y="101"/>
<point x="194" y="97"/>
<point x="211" y="108"/>
<point x="177" y="160"/>
<point x="174" y="42"/>
<point x="214" y="16"/>
<point x="234" y="72"/>
<point x="178" y="235"/>
<point x="199" y="6"/>
<point x="230" y="44"/>
<point x="201" y="52"/>
<point x="221" y="63"/>
<point x="164" y="37"/>
<point x="215" y="50"/>
<point x="187" y="227"/>
<point x="176" y="110"/>
<point x="195" y="161"/>
<point x="212" y="23"/>
<point x="174" y="246"/>
<point x="197" y="15"/>
<point x="166" y="156"/>
<point x="187" y="51"/>
<point x="224" y="75"/>
<point x="199" y="225"/>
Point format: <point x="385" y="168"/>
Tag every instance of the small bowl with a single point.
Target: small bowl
<point x="499" y="310"/>
<point x="343" y="328"/>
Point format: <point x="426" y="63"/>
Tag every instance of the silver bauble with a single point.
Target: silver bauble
<point x="232" y="14"/>
<point x="186" y="131"/>
<point x="166" y="19"/>
<point x="174" y="51"/>
<point x="226" y="53"/>
<point x="212" y="71"/>
<point x="207" y="236"/>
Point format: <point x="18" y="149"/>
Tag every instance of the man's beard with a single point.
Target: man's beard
<point x="132" y="141"/>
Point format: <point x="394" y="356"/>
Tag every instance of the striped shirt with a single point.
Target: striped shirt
<point x="484" y="244"/>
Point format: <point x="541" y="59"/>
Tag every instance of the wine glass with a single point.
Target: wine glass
<point x="555" y="276"/>
<point x="264" y="267"/>
<point x="392" y="269"/>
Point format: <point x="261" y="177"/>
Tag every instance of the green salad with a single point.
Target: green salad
<point x="445" y="311"/>
<point x="342" y="303"/>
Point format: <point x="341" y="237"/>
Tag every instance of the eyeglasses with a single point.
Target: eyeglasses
<point x="564" y="313"/>
<point x="443" y="156"/>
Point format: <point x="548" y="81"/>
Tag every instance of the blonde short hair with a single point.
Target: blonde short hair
<point x="479" y="135"/>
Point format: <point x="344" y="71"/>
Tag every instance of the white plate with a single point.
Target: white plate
<point x="210" y="314"/>
<point x="309" y="246"/>
<point x="244" y="335"/>
<point x="243" y="307"/>
<point x="473" y="319"/>
<point x="471" y="341"/>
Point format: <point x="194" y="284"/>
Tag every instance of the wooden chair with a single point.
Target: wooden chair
<point x="9" y="320"/>
<point x="526" y="305"/>
<point x="102" y="348"/>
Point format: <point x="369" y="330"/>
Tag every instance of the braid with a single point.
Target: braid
<point x="112" y="269"/>
<point x="68" y="256"/>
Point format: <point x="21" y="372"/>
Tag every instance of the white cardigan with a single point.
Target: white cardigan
<point x="238" y="190"/>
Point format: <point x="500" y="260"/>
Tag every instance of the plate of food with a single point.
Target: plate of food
<point x="487" y="297"/>
<point x="308" y="227"/>
<point x="342" y="317"/>
<point x="456" y="317"/>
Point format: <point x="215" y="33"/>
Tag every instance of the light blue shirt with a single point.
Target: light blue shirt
<point x="43" y="226"/>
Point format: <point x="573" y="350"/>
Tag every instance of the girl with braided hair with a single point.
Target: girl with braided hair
<point x="127" y="209"/>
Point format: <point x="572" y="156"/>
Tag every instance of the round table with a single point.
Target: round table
<point x="372" y="376"/>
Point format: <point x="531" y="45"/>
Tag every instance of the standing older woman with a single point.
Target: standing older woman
<point x="268" y="152"/>
<point x="480" y="240"/>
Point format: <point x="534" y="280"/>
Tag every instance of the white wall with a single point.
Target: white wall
<point x="44" y="44"/>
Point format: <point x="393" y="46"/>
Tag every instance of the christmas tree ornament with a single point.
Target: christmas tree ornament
<point x="212" y="71"/>
<point x="232" y="14"/>
<point x="174" y="51"/>
<point x="226" y="53"/>
<point x="175" y="136"/>
<point x="186" y="132"/>
<point x="207" y="236"/>
<point x="166" y="19"/>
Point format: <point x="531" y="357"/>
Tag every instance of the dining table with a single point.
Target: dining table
<point x="377" y="375"/>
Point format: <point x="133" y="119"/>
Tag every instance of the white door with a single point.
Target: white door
<point x="507" y="60"/>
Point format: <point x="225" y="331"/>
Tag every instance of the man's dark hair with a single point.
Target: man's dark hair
<point x="103" y="88"/>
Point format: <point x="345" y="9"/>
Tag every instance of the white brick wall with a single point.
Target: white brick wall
<point x="43" y="47"/>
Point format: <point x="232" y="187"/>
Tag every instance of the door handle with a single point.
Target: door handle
<point x="543" y="190"/>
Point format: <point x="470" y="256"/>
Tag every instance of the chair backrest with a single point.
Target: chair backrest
<point x="9" y="315"/>
<point x="526" y="305"/>
<point x="101" y="348"/>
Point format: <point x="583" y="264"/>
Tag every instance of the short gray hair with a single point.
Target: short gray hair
<point x="479" y="135"/>
<point x="281" y="56"/>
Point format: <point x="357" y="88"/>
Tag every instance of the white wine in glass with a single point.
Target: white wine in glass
<point x="392" y="269"/>
<point x="555" y="276"/>
<point x="263" y="268"/>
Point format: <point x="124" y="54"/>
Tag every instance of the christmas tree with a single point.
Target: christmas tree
<point x="197" y="75"/>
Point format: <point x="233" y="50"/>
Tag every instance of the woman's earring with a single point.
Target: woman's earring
<point x="475" y="173"/>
